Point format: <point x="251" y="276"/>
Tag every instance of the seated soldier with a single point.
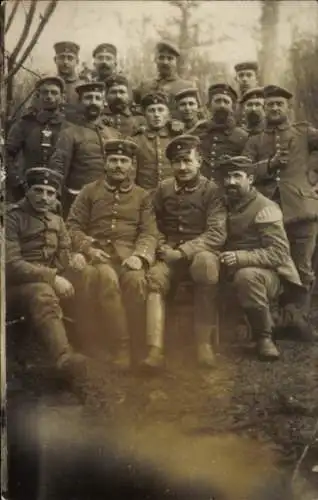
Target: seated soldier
<point x="191" y="218"/>
<point x="257" y="254"/>
<point x="113" y="229"/>
<point x="37" y="256"/>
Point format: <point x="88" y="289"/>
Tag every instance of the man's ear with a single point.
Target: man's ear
<point x="55" y="59"/>
<point x="251" y="178"/>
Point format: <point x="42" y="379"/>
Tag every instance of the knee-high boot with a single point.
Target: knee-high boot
<point x="155" y="323"/>
<point x="261" y="324"/>
<point x="205" y="310"/>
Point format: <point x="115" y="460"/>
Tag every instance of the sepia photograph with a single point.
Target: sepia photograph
<point x="159" y="249"/>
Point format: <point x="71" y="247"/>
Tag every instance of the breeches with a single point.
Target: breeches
<point x="256" y="287"/>
<point x="203" y="270"/>
<point x="302" y="239"/>
<point x="38" y="301"/>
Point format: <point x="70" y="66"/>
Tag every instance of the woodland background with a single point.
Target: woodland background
<point x="212" y="35"/>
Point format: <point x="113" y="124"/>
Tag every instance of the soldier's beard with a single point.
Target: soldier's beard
<point x="117" y="105"/>
<point x="253" y="118"/>
<point x="104" y="70"/>
<point x="92" y="112"/>
<point x="221" y="116"/>
<point x="276" y="119"/>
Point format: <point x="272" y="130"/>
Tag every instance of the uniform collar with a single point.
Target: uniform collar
<point x="171" y="78"/>
<point x="125" y="187"/>
<point x="151" y="134"/>
<point x="124" y="112"/>
<point x="281" y="126"/>
<point x="190" y="187"/>
<point x="44" y="116"/>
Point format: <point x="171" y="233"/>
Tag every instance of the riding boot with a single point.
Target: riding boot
<point x="66" y="359"/>
<point x="205" y="311"/>
<point x="261" y="324"/>
<point x="155" y="318"/>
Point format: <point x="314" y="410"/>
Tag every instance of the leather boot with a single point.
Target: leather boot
<point x="155" y="331"/>
<point x="122" y="357"/>
<point x="204" y="315"/>
<point x="67" y="361"/>
<point x="261" y="323"/>
<point x="300" y="322"/>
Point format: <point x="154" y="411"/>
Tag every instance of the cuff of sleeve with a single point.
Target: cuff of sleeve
<point x="242" y="258"/>
<point x="49" y="275"/>
<point x="145" y="257"/>
<point x="186" y="250"/>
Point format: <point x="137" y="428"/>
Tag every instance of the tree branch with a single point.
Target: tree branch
<point x="43" y="21"/>
<point x="25" y="32"/>
<point x="11" y="16"/>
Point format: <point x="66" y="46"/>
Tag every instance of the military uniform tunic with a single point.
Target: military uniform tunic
<point x="27" y="136"/>
<point x="170" y="86"/>
<point x="152" y="164"/>
<point x="217" y="141"/>
<point x="255" y="232"/>
<point x="121" y="222"/>
<point x="291" y="187"/>
<point x="125" y="122"/>
<point x="79" y="153"/>
<point x="193" y="220"/>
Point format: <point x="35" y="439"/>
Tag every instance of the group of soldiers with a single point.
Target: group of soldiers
<point x="118" y="194"/>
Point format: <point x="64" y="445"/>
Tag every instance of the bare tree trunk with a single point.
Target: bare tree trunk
<point x="269" y="31"/>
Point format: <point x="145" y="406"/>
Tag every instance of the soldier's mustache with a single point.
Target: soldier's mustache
<point x="92" y="108"/>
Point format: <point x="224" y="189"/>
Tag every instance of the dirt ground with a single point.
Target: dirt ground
<point x="241" y="427"/>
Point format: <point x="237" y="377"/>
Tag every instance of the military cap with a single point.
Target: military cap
<point x="116" y="80"/>
<point x="246" y="65"/>
<point x="154" y="98"/>
<point x="276" y="91"/>
<point x="105" y="47"/>
<point x="66" y="47"/>
<point x="43" y="176"/>
<point x="51" y="79"/>
<point x="181" y="145"/>
<point x="121" y="147"/>
<point x="190" y="92"/>
<point x="166" y="46"/>
<point x="222" y="88"/>
<point x="231" y="163"/>
<point x="90" y="87"/>
<point x="251" y="93"/>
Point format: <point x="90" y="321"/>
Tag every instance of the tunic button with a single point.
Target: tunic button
<point x="108" y="242"/>
<point x="181" y="229"/>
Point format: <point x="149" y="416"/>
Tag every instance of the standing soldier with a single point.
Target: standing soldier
<point x="257" y="256"/>
<point x="117" y="113"/>
<point x="219" y="135"/>
<point x="253" y="110"/>
<point x="79" y="154"/>
<point x="188" y="107"/>
<point x="37" y="259"/>
<point x="246" y="78"/>
<point x="191" y="219"/>
<point x="152" y="164"/>
<point x="67" y="60"/>
<point x="113" y="228"/>
<point x="104" y="61"/>
<point x="282" y="152"/>
<point x="35" y="134"/>
<point x="168" y="80"/>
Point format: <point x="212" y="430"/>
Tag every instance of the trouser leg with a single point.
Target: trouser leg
<point x="204" y="271"/>
<point x="303" y="238"/>
<point x="43" y="308"/>
<point x="255" y="289"/>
